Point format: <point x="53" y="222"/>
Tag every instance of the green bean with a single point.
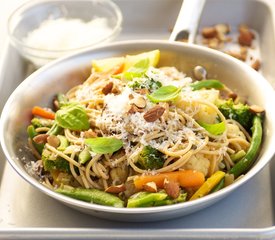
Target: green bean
<point x="91" y="195"/>
<point x="32" y="133"/>
<point x="246" y="162"/>
<point x="218" y="187"/>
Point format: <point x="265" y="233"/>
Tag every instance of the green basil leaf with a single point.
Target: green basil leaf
<point x="73" y="117"/>
<point x="164" y="94"/>
<point x="215" y="129"/>
<point x="138" y="70"/>
<point x="206" y="84"/>
<point x="104" y="145"/>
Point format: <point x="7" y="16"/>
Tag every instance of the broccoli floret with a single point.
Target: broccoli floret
<point x="150" y="158"/>
<point x="149" y="84"/>
<point x="42" y="122"/>
<point x="239" y="112"/>
<point x="51" y="162"/>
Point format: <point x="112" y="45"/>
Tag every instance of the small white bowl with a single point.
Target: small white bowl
<point x="29" y="17"/>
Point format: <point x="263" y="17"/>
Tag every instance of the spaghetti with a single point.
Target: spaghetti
<point x="187" y="131"/>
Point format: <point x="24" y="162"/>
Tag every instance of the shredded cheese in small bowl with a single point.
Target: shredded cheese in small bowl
<point x="45" y="30"/>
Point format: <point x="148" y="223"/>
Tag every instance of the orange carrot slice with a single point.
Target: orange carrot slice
<point x="41" y="112"/>
<point x="186" y="178"/>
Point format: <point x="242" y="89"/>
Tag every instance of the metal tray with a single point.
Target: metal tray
<point x="248" y="213"/>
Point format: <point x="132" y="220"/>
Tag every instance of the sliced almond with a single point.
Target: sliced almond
<point x="150" y="187"/>
<point x="107" y="88"/>
<point x="172" y="188"/>
<point x="199" y="72"/>
<point x="116" y="189"/>
<point x="256" y="109"/>
<point x="53" y="141"/>
<point x="154" y="113"/>
<point x="139" y="101"/>
<point x="133" y="109"/>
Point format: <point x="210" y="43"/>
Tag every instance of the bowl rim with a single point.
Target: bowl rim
<point x="31" y="3"/>
<point x="198" y="203"/>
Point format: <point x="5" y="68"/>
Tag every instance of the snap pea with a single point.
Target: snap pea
<point x="238" y="155"/>
<point x="91" y="195"/>
<point x="145" y="199"/>
<point x="169" y="201"/>
<point x="246" y="162"/>
<point x="210" y="83"/>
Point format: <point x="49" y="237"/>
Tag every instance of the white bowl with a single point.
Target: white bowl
<point x="32" y="16"/>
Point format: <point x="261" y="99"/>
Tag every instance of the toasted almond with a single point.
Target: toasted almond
<point x="41" y="138"/>
<point x="172" y="188"/>
<point x="107" y="88"/>
<point x="222" y="28"/>
<point x="150" y="187"/>
<point x="256" y="64"/>
<point x="133" y="109"/>
<point x="209" y="32"/>
<point x="237" y="55"/>
<point x="244" y="27"/>
<point x="246" y="36"/>
<point x="142" y="91"/>
<point x="221" y="37"/>
<point x="116" y="189"/>
<point x="233" y="95"/>
<point x="154" y="113"/>
<point x="214" y="43"/>
<point x="90" y="134"/>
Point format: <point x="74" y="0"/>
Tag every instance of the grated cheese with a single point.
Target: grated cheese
<point x="117" y="103"/>
<point x="65" y="33"/>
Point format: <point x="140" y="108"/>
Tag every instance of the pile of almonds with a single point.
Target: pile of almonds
<point x="218" y="36"/>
